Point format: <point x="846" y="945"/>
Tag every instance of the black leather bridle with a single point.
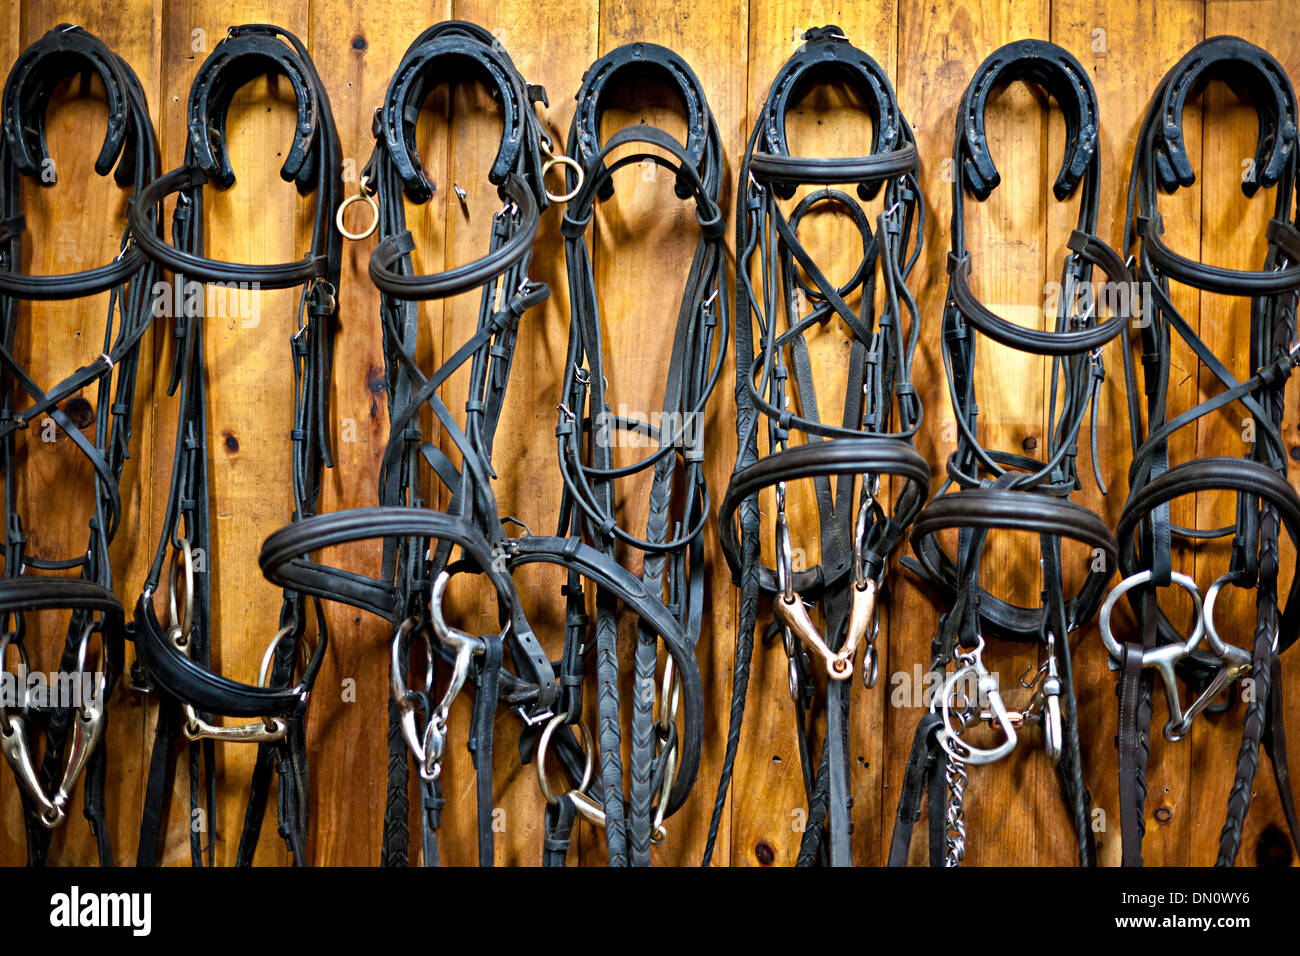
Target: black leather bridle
<point x="85" y="585"/>
<point x="989" y="489"/>
<point x="1265" y="502"/>
<point x="177" y="653"/>
<point x="775" y="392"/>
<point x="418" y="541"/>
<point x="663" y="763"/>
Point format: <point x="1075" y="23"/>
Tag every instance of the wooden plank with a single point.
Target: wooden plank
<point x="528" y="485"/>
<point x="77" y="224"/>
<point x="1126" y="50"/>
<point x="1233" y="235"/>
<point x="942" y="45"/>
<point x="769" y="807"/>
<point x="1016" y="243"/>
<point x="356" y="56"/>
<point x="643" y="240"/>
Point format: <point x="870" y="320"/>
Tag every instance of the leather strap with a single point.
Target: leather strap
<point x="1266" y="503"/>
<point x="991" y="489"/>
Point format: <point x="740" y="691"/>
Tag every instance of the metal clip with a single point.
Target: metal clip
<point x="986" y="685"/>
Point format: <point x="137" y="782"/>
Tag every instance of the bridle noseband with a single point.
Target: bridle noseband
<point x="664" y="762"/>
<point x="990" y="489"/>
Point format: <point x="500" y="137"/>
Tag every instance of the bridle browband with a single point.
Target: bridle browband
<point x="989" y="489"/>
<point x="854" y="553"/>
<point x="664" y="762"/>
<point x="177" y="654"/>
<point x="130" y="146"/>
<point x="1265" y="502"/>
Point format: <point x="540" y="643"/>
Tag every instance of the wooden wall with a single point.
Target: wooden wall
<point x="643" y="241"/>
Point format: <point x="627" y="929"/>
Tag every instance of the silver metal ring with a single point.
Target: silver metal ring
<point x="588" y="749"/>
<point x="1113" y="646"/>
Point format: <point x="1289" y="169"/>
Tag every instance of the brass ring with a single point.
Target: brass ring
<point x="562" y="161"/>
<point x="364" y="194"/>
<point x="178" y="618"/>
<point x="264" y="671"/>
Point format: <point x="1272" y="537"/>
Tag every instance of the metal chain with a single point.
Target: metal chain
<point x="955" y="828"/>
<point x="957" y="778"/>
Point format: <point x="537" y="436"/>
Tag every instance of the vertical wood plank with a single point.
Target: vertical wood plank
<point x="1233" y="235"/>
<point x="643" y="239"/>
<point x="942" y="45"/>
<point x="769" y="806"/>
<point x="356" y="55"/>
<point x="528" y="485"/>
<point x="1126" y="49"/>
<point x="250" y="382"/>
<point x="1016" y="245"/>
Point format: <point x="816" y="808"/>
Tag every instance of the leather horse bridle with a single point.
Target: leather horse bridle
<point x="129" y="144"/>
<point x="988" y="489"/>
<point x="177" y="653"/>
<point x="1265" y="501"/>
<point x="418" y="540"/>
<point x="775" y="392"/>
<point x="663" y="764"/>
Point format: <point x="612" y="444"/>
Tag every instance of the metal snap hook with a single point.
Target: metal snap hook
<point x="986" y="689"/>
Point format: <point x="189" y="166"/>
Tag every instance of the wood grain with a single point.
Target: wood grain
<point x="639" y="242"/>
<point x="1126" y="50"/>
<point x="642" y="244"/>
<point x="943" y="45"/>
<point x="250" y="381"/>
<point x="1232" y="235"/>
